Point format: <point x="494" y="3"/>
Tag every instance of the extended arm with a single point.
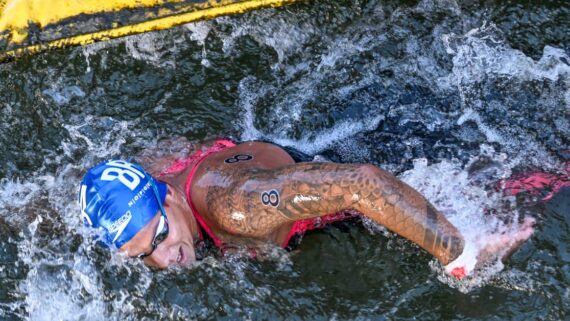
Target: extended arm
<point x="258" y="202"/>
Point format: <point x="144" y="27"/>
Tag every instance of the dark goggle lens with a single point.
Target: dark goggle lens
<point x="161" y="236"/>
<point x="158" y="238"/>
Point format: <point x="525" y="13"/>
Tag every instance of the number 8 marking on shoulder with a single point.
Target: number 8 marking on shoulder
<point x="270" y="198"/>
<point x="238" y="158"/>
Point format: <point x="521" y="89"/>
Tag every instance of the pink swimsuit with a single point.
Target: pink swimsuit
<point x="299" y="227"/>
<point x="535" y="182"/>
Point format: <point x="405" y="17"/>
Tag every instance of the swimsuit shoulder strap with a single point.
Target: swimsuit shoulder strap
<point x="195" y="161"/>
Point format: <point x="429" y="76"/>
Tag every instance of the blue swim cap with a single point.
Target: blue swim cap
<point x="119" y="197"/>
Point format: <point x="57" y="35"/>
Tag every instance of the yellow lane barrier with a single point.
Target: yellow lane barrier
<point x="31" y="26"/>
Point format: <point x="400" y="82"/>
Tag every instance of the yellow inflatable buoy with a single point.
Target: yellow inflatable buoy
<point x="30" y="26"/>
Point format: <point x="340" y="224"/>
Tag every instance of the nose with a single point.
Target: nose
<point x="161" y="258"/>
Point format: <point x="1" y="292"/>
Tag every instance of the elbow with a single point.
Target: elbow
<point x="368" y="169"/>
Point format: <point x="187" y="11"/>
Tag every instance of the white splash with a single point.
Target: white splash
<point x="480" y="55"/>
<point x="481" y="52"/>
<point x="151" y="47"/>
<point x="491" y="134"/>
<point x="17" y="193"/>
<point x="286" y="34"/>
<point x="199" y="31"/>
<point x="102" y="146"/>
<point x="314" y="144"/>
<point x="451" y="189"/>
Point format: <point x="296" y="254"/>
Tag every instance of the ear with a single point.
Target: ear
<point x="176" y="201"/>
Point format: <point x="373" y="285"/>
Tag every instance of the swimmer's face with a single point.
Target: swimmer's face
<point x="177" y="248"/>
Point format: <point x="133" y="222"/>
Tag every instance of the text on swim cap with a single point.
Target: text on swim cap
<point x="83" y="205"/>
<point x="139" y="194"/>
<point x="119" y="226"/>
<point x="127" y="174"/>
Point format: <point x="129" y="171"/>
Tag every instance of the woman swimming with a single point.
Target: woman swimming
<point x="254" y="193"/>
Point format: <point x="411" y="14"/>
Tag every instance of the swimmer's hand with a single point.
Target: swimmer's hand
<point x="492" y="248"/>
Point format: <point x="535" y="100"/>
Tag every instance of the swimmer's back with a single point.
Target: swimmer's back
<point x="250" y="155"/>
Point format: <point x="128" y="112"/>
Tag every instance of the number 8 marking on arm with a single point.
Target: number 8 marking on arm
<point x="270" y="198"/>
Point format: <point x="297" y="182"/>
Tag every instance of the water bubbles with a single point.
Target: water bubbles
<point x="63" y="96"/>
<point x="491" y="134"/>
<point x="17" y="193"/>
<point x="286" y="34"/>
<point x="481" y="52"/>
<point x="152" y="48"/>
<point x="199" y="31"/>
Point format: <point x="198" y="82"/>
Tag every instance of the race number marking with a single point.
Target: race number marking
<point x="270" y="198"/>
<point x="127" y="174"/>
<point x="238" y="158"/>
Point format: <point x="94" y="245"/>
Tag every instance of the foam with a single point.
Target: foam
<point x="200" y="31"/>
<point x="490" y="133"/>
<point x="286" y="34"/>
<point x="17" y="193"/>
<point x="446" y="184"/>
<point x="98" y="48"/>
<point x="64" y="95"/>
<point x="151" y="47"/>
<point x="66" y="290"/>
<point x="480" y="56"/>
<point x="101" y="145"/>
<point x="311" y="145"/>
<point x="292" y="98"/>
<point x="464" y="202"/>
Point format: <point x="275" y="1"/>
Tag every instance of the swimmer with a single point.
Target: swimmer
<point x="254" y="193"/>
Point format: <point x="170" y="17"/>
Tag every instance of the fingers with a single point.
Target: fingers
<point x="492" y="248"/>
<point x="525" y="232"/>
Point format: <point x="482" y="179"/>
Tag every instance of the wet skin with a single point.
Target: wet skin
<point x="252" y="193"/>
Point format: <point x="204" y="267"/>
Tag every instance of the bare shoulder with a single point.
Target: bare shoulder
<point x="232" y="167"/>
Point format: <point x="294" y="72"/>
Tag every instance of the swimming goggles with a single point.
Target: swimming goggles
<point x="162" y="229"/>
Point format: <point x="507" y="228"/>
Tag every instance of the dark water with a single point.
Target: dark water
<point x="451" y="97"/>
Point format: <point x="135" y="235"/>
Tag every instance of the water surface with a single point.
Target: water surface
<point x="450" y="96"/>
